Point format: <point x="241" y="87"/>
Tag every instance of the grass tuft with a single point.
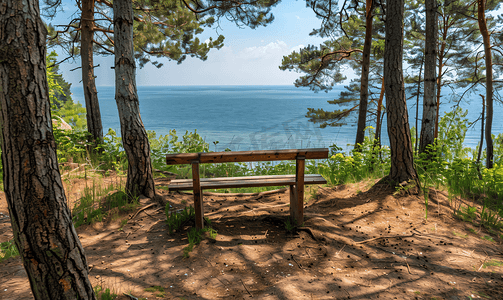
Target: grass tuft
<point x="8" y="249"/>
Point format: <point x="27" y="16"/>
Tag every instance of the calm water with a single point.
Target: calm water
<point x="251" y="117"/>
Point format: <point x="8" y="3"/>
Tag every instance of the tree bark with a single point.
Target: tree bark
<point x="41" y="221"/>
<point x="441" y="56"/>
<point x="479" y="153"/>
<point x="93" y="115"/>
<point x="364" y="95"/>
<point x="489" y="81"/>
<point x="429" y="103"/>
<point x="377" y="135"/>
<point x="134" y="137"/>
<point x="417" y="100"/>
<point x="402" y="160"/>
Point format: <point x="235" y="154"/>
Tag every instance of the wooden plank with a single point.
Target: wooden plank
<point x="234" y="182"/>
<point x="198" y="195"/>
<point x="297" y="202"/>
<point x="293" y="191"/>
<point x="246" y="156"/>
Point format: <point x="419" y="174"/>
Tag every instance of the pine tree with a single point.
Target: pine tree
<point x="402" y="162"/>
<point x="134" y="136"/>
<point x="52" y="254"/>
<point x="488" y="59"/>
<point x="161" y="29"/>
<point x="427" y="137"/>
<point x="352" y="48"/>
<point x="250" y="14"/>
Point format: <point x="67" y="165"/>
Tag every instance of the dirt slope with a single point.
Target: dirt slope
<point x="358" y="242"/>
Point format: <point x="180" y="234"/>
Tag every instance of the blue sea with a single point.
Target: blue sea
<point x="257" y="117"/>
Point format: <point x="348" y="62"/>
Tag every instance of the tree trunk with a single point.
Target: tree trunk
<point x="402" y="160"/>
<point x="479" y="153"/>
<point x="364" y="94"/>
<point x="134" y="137"/>
<point x="417" y="100"/>
<point x="441" y="56"/>
<point x="94" y="126"/>
<point x="489" y="82"/>
<point x="41" y="221"/>
<point x="429" y="103"/>
<point x="377" y="135"/>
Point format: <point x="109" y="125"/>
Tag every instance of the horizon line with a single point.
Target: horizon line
<point x="206" y="85"/>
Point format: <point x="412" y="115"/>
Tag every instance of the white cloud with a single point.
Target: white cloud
<point x="296" y="48"/>
<point x="271" y="50"/>
<point x="256" y="65"/>
<point x="298" y="18"/>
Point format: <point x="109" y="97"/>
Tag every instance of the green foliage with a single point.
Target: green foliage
<point x="467" y="213"/>
<point x="176" y="38"/>
<point x="498" y="149"/>
<point x="372" y="161"/>
<point x="175" y="220"/>
<point x="452" y="129"/>
<point x="105" y="294"/>
<point x="73" y="114"/>
<point x="62" y="104"/>
<point x="464" y="236"/>
<point x="157" y="290"/>
<point x="113" y="156"/>
<point x="191" y="142"/>
<point x="195" y="236"/>
<point x="289" y="226"/>
<point x="188" y="249"/>
<point x="123" y="223"/>
<point x="492" y="262"/>
<point x="447" y="164"/>
<point x="8" y="249"/>
<point x="72" y="145"/>
<point x="325" y="66"/>
<point x="162" y="29"/>
<point x="98" y="203"/>
<point x="250" y="13"/>
<point x="488" y="238"/>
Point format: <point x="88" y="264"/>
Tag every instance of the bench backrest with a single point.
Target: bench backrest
<point x="246" y="156"/>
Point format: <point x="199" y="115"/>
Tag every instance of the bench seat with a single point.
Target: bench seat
<point x="250" y="181"/>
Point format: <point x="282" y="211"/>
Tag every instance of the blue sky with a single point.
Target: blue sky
<point x="249" y="57"/>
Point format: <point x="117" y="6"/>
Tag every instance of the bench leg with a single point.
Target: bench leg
<point x="198" y="195"/>
<point x="293" y="204"/>
<point x="297" y="197"/>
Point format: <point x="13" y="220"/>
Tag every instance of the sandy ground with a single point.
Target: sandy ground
<point x="359" y="241"/>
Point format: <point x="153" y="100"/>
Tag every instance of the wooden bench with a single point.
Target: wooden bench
<point x="296" y="182"/>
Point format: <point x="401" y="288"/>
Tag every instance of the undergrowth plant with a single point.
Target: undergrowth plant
<point x="176" y="219"/>
<point x="100" y="202"/>
<point x="8" y="249"/>
<point x="289" y="226"/>
<point x="157" y="290"/>
<point x="72" y="145"/>
<point x="195" y="236"/>
<point x="369" y="161"/>
<point x="448" y="165"/>
<point x="104" y="294"/>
